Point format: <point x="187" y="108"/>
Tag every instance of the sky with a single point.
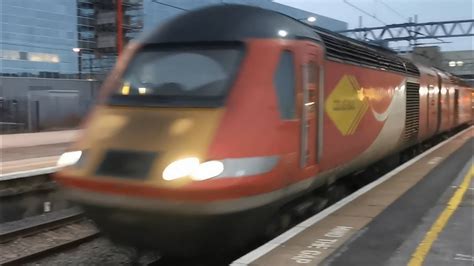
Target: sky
<point x="394" y="11"/>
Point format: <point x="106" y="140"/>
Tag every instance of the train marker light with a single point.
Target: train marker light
<point x="69" y="158"/>
<point x="142" y="90"/>
<point x="126" y="89"/>
<point x="282" y="33"/>
<point x="207" y="170"/>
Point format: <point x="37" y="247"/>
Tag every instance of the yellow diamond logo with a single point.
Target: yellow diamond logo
<point x="346" y="105"/>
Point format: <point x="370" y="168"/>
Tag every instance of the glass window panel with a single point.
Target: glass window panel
<point x="10" y="55"/>
<point x="43" y="57"/>
<point x="284" y="81"/>
<point x="180" y="76"/>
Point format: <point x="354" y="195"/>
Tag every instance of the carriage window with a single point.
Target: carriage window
<point x="284" y="82"/>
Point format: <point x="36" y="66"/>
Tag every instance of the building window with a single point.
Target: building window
<point x="9" y="55"/>
<point x="43" y="57"/>
<point x="284" y="81"/>
<point x="36" y="57"/>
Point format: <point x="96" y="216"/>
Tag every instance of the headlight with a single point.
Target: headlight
<point x="207" y="170"/>
<point x="69" y="158"/>
<point x="180" y="168"/>
<point x="191" y="167"/>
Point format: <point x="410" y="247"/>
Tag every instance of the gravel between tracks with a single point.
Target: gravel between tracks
<point x="96" y="252"/>
<point x="45" y="240"/>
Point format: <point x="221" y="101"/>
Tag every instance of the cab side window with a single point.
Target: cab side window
<point x="312" y="85"/>
<point x="284" y="82"/>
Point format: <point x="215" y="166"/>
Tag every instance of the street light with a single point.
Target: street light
<point x="78" y="51"/>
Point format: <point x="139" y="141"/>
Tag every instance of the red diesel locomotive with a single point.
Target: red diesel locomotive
<point x="211" y="125"/>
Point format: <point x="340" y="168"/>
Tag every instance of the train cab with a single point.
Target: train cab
<point x="199" y="129"/>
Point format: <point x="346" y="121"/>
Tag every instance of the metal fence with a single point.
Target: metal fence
<point x="35" y="104"/>
<point x="13" y="116"/>
<point x="22" y="115"/>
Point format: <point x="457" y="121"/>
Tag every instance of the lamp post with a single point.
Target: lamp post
<point x="78" y="51"/>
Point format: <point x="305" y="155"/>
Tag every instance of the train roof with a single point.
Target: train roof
<point x="228" y="23"/>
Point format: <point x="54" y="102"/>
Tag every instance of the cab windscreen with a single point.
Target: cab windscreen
<point x="185" y="76"/>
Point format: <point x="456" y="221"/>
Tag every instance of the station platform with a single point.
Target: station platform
<point x="31" y="151"/>
<point x="421" y="213"/>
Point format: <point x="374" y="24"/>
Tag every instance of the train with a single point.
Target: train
<point x="211" y="125"/>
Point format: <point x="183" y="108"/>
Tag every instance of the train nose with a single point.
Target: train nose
<point x="170" y="137"/>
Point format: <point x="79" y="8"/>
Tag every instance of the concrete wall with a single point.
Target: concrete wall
<point x="40" y="104"/>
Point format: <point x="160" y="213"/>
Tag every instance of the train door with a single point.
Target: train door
<point x="433" y="119"/>
<point x="439" y="108"/>
<point x="456" y="107"/>
<point x="310" y="72"/>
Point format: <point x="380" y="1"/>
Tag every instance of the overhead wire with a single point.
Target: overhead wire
<point x="168" y="5"/>
<point x="365" y="12"/>
<point x="385" y="24"/>
<point x="392" y="9"/>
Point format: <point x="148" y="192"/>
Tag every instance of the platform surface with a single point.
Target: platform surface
<point x="391" y="220"/>
<point x="30" y="151"/>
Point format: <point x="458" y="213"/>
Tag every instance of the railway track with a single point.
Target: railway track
<point x="44" y="239"/>
<point x="34" y="227"/>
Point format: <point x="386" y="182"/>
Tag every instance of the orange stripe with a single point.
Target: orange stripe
<point x="357" y="119"/>
<point x="366" y="106"/>
<point x="353" y="124"/>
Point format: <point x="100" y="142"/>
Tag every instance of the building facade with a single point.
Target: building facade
<point x="37" y="37"/>
<point x="460" y="63"/>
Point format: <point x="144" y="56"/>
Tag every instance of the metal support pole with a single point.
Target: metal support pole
<point x="90" y="66"/>
<point x="79" y="63"/>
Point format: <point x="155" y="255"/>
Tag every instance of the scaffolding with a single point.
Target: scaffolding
<point x="104" y="27"/>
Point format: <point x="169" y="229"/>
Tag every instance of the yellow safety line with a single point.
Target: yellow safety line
<point x="424" y="247"/>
